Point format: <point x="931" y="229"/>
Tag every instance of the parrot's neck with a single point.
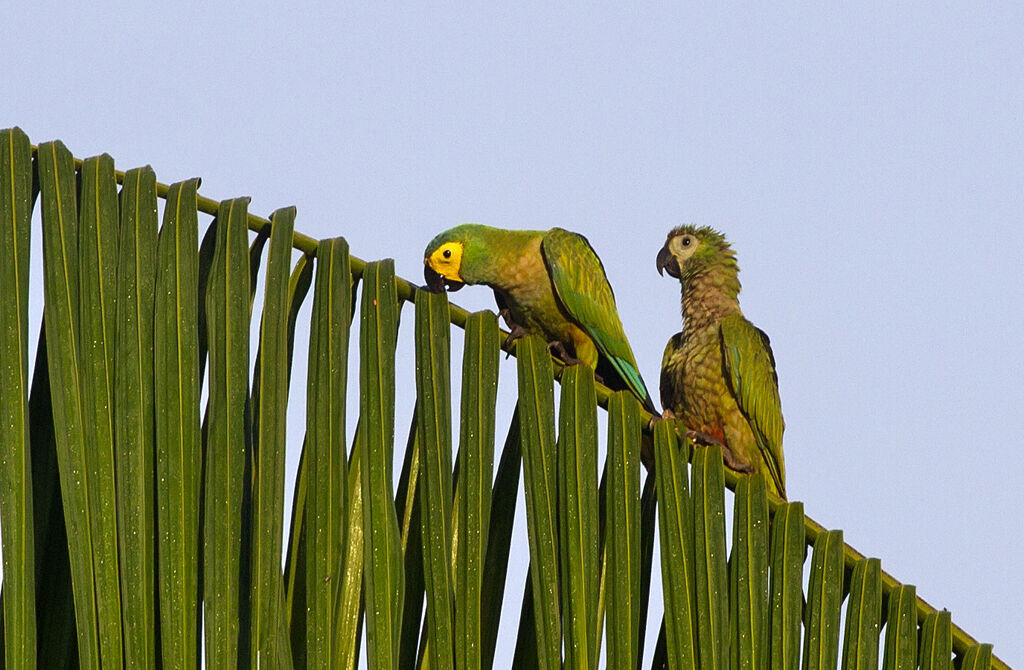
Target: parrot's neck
<point x="708" y="298"/>
<point x="514" y="261"/>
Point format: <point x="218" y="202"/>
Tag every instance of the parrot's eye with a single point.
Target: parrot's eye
<point x="687" y="240"/>
<point x="447" y="253"/>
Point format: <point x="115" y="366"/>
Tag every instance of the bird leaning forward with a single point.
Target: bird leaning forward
<point x="550" y="283"/>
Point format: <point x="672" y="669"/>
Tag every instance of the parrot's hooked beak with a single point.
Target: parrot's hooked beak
<point x="668" y="263"/>
<point x="437" y="282"/>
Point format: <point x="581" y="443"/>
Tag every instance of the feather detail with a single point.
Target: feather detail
<point x="582" y="288"/>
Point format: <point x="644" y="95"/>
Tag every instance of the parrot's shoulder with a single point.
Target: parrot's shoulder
<point x="739" y="332"/>
<point x="581" y="285"/>
<point x="673" y="349"/>
<point x="560" y="246"/>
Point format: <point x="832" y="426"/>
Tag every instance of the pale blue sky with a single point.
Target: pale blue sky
<point x="867" y="162"/>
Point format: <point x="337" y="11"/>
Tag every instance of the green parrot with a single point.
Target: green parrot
<point x="718" y="375"/>
<point x="551" y="283"/>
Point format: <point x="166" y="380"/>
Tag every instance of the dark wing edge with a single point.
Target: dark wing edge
<point x="667" y="385"/>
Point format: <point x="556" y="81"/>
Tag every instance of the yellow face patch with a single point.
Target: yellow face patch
<point x="447" y="260"/>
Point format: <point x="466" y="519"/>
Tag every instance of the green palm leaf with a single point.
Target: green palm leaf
<point x="433" y="411"/>
<point x="473" y="490"/>
<point x="710" y="566"/>
<point x="60" y="274"/>
<point x="135" y="414"/>
<point x="270" y="399"/>
<point x="227" y="442"/>
<point x="176" y="356"/>
<point x="503" y="512"/>
<point x="748" y="579"/>
<point x="383" y="578"/>
<point x="412" y="642"/>
<point x="901" y="630"/>
<point x="97" y="266"/>
<point x="863" y="615"/>
<point x="539" y="458"/>
<point x="16" y="522"/>
<point x="936" y="642"/>
<point x="675" y="526"/>
<point x="579" y="533"/>
<point x="978" y="657"/>
<point x="349" y="608"/>
<point x="788" y="551"/>
<point x="103" y="509"/>
<point x="623" y="538"/>
<point x="327" y="472"/>
<point x="824" y="600"/>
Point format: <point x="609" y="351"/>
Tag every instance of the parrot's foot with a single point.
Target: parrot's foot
<point x="506" y="314"/>
<point x="514" y="334"/>
<point x="558" y="349"/>
<point x="703" y="439"/>
<point x="666" y="415"/>
<point x="733" y="464"/>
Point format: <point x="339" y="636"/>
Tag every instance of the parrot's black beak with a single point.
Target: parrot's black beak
<point x="667" y="263"/>
<point x="437" y="283"/>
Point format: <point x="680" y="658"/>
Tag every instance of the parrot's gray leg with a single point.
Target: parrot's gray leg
<point x="733" y="464"/>
<point x="699" y="438"/>
<point x="516" y="331"/>
<point x="558" y="349"/>
<point x="514" y="334"/>
<point x="666" y="415"/>
<point x="703" y="438"/>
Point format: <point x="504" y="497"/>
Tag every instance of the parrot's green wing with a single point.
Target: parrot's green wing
<point x="583" y="289"/>
<point x="750" y="370"/>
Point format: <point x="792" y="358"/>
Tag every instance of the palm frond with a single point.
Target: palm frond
<point x="227" y="438"/>
<point x="19" y="612"/>
<point x="141" y="517"/>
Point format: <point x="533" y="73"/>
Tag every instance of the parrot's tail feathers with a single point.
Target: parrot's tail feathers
<point x="647" y="450"/>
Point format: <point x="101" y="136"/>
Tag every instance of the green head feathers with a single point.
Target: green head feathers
<point x="468" y="254"/>
<point x="691" y="251"/>
<point x="442" y="259"/>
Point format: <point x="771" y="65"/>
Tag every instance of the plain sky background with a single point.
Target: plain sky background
<point x="866" y="161"/>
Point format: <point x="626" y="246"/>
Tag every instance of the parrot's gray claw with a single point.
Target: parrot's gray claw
<point x="704" y="439"/>
<point x="733" y="464"/>
<point x="666" y="415"/>
<point x="558" y="349"/>
<point x="515" y="333"/>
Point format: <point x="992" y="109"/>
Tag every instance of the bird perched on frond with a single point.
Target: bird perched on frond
<point x="718" y="375"/>
<point x="546" y="282"/>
